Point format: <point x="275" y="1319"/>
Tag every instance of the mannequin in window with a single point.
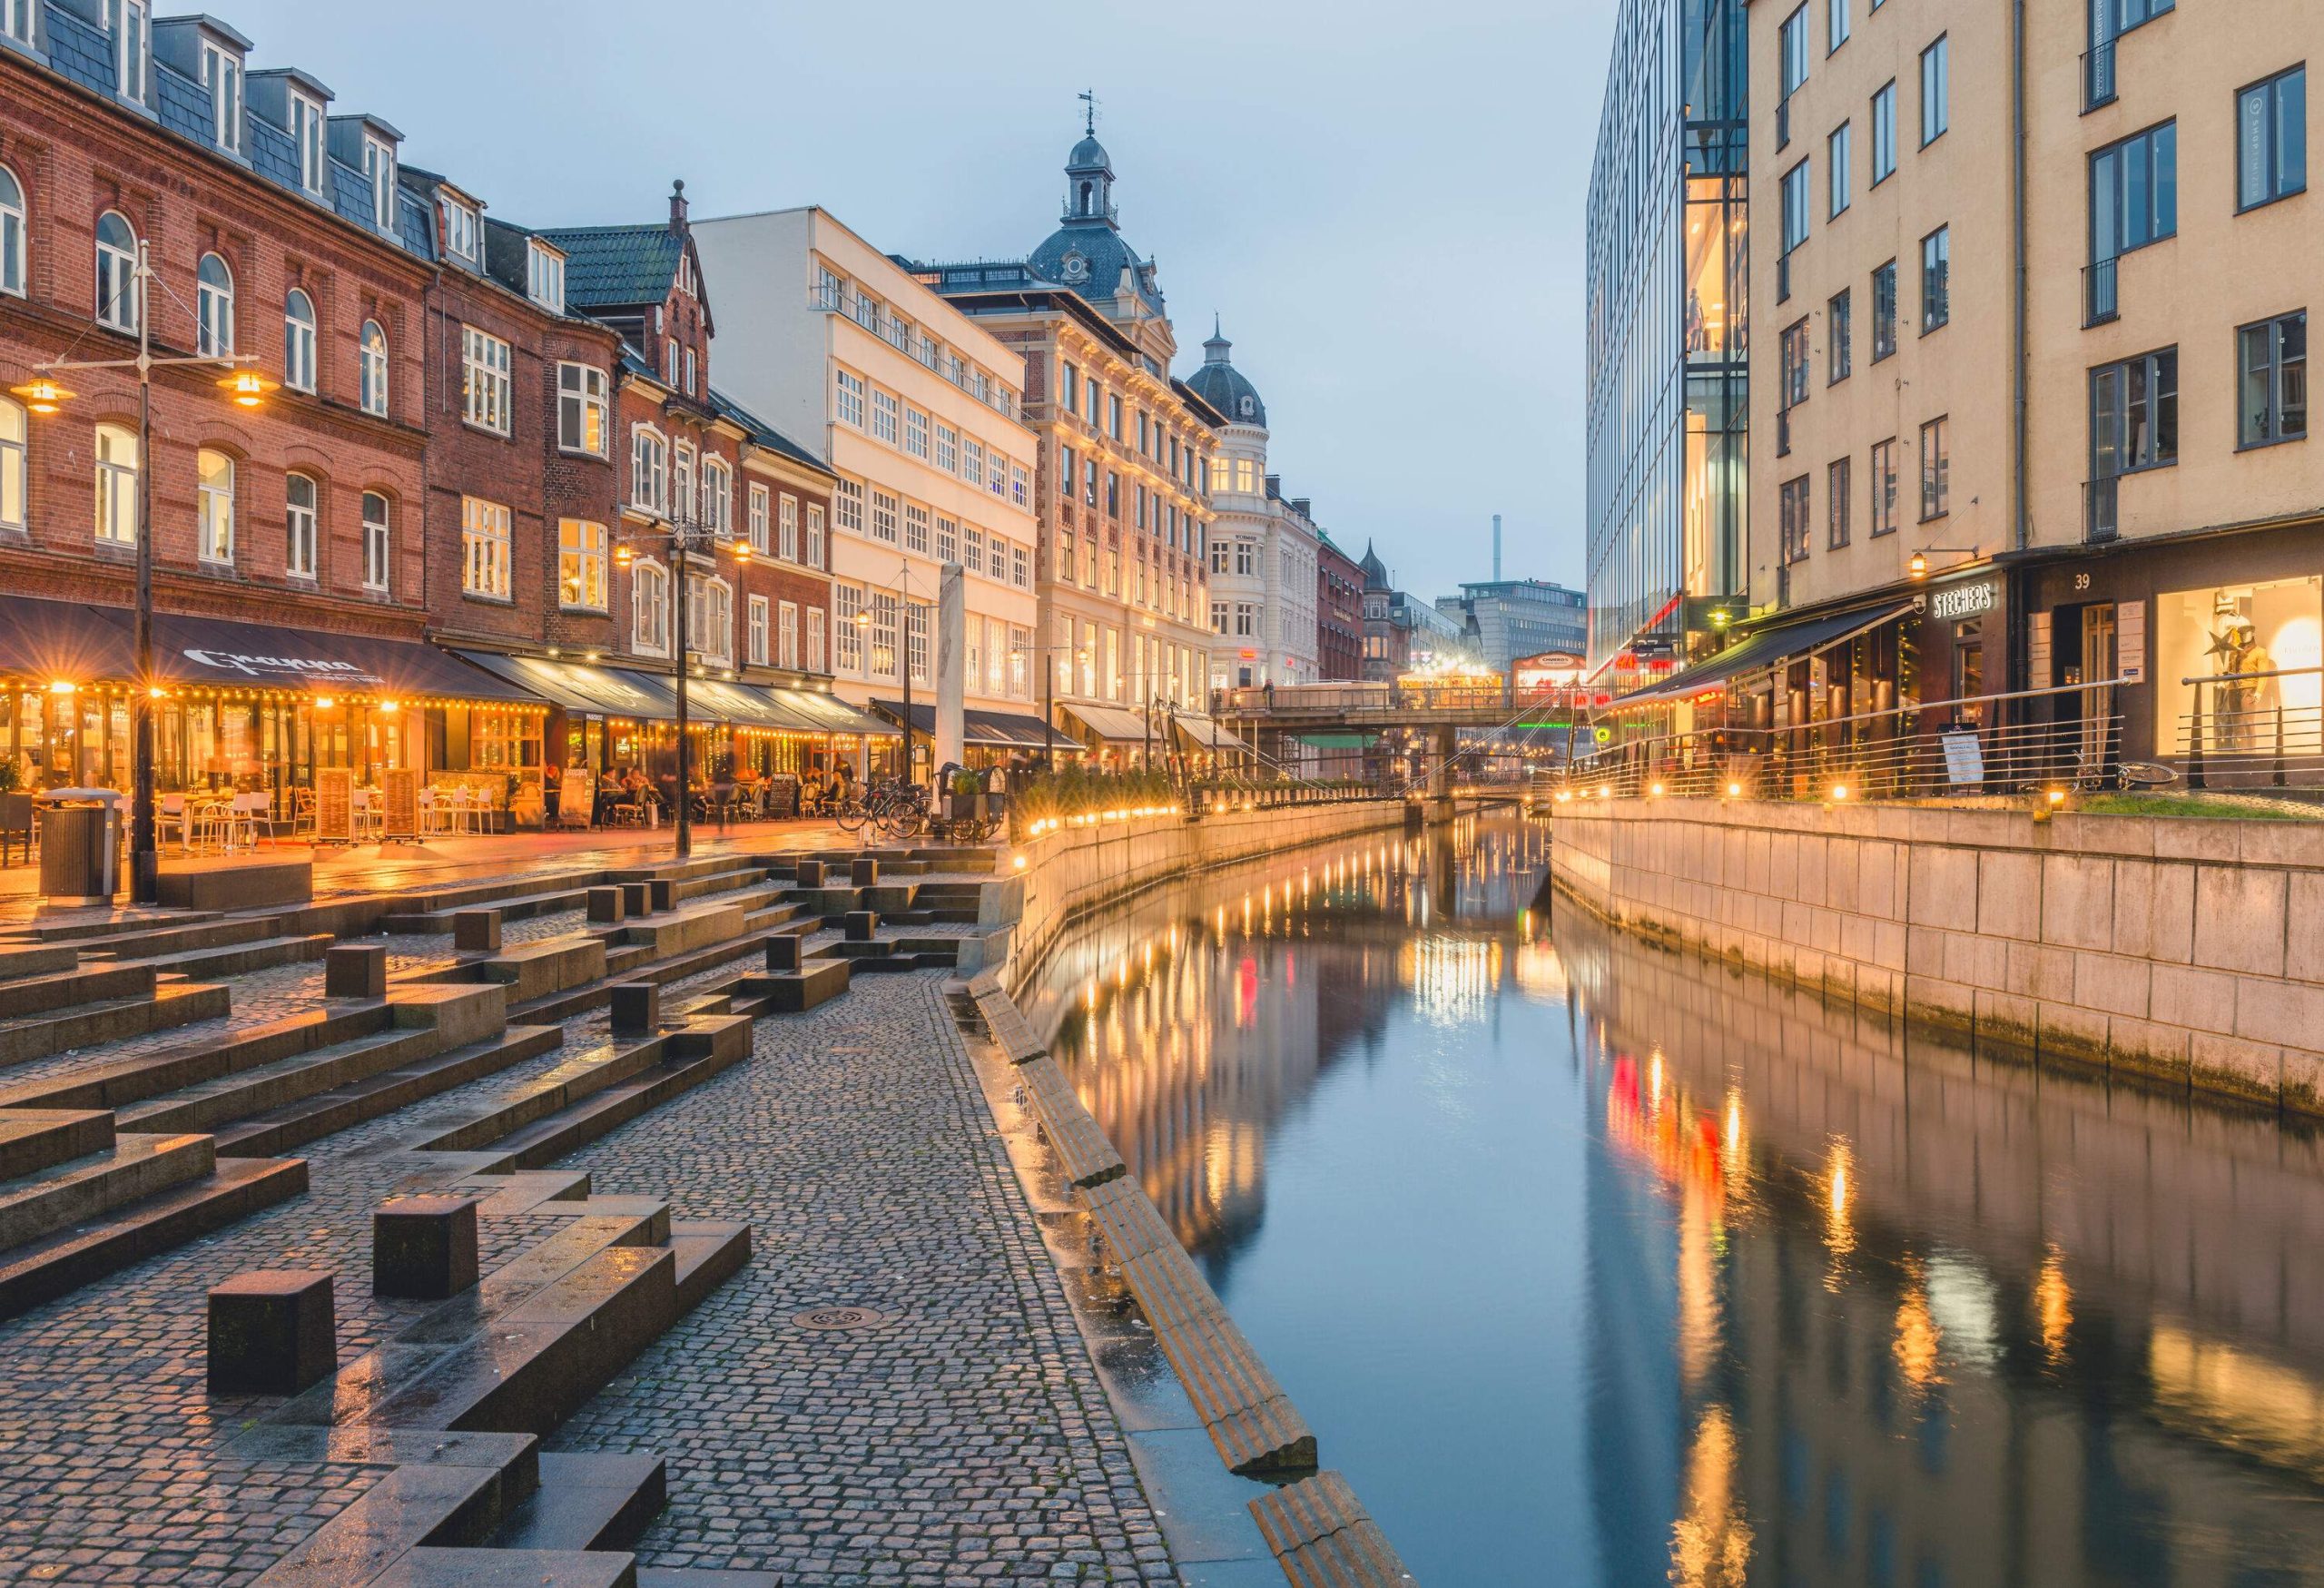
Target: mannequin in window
<point x="2246" y="702"/>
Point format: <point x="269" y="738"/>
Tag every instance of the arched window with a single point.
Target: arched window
<point x="12" y="233"/>
<point x="14" y="473"/>
<point x="299" y="550"/>
<point x="375" y="541"/>
<point x="213" y="480"/>
<point x="649" y="595"/>
<point x="371" y="361"/>
<point x="116" y="486"/>
<point x="116" y="273"/>
<point x="215" y="337"/>
<point x="299" y="341"/>
<point x="649" y="476"/>
<point x="1084" y="198"/>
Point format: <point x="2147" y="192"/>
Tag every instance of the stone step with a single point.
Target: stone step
<point x="207" y="1105"/>
<point x="119" y="921"/>
<point x="79" y="1190"/>
<point x="1322" y="1537"/>
<point x="712" y="1046"/>
<point x="408" y="1505"/>
<point x="638" y="963"/>
<point x="130" y="1080"/>
<point x="238" y="959"/>
<point x="586" y="1503"/>
<point x="33" y="1139"/>
<point x="110" y="1020"/>
<point x="47" y="1268"/>
<point x="1085" y="1157"/>
<point x="709" y="1254"/>
<point x="490" y="1120"/>
<point x="154" y="941"/>
<point x="815" y="983"/>
<point x="94" y="983"/>
<point x="513" y="907"/>
<point x="430" y="1567"/>
<point x="521" y="1192"/>
<point x="278" y="1130"/>
<point x="19" y="960"/>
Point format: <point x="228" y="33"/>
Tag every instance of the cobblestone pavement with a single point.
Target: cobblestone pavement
<point x="968" y="1440"/>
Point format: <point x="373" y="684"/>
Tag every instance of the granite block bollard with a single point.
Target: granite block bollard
<point x="423" y="1247"/>
<point x="272" y="1331"/>
<point x="475" y="931"/>
<point x="663" y="891"/>
<point x="861" y="924"/>
<point x="356" y="970"/>
<point x="810" y="874"/>
<point x="783" y="952"/>
<point x="863" y="870"/>
<point x="605" y="907"/>
<point x="635" y="899"/>
<point x="636" y="1009"/>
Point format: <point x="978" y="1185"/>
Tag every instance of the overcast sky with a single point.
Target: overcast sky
<point x="1383" y="201"/>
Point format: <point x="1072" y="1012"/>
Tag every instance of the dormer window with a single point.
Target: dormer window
<point x="133" y="44"/>
<point x="221" y="74"/>
<point x="380" y="170"/>
<point x="307" y="133"/>
<point x="16" y="20"/>
<point x="545" y="277"/>
<point x="459" y="229"/>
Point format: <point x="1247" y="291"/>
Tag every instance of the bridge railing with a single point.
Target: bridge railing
<point x="1355" y="702"/>
<point x="2064" y="737"/>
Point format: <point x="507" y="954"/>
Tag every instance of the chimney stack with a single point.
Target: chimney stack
<point x="678" y="207"/>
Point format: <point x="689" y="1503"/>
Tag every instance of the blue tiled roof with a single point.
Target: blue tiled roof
<point x="80" y="50"/>
<point x="415" y="227"/>
<point x="611" y="267"/>
<point x="764" y="434"/>
<point x="182" y="104"/>
<point x="273" y="154"/>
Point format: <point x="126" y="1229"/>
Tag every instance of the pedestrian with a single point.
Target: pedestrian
<point x="552" y="789"/>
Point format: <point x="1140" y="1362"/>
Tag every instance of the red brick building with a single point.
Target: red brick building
<point x="1339" y="613"/>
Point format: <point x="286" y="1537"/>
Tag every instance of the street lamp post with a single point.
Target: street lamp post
<point x="42" y="395"/>
<point x="1048" y="695"/>
<point x="687" y="537"/>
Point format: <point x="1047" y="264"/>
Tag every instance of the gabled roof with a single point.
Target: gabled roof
<point x="762" y="434"/>
<point x="616" y="267"/>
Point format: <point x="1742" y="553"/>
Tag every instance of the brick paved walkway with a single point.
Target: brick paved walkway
<point x="967" y="1441"/>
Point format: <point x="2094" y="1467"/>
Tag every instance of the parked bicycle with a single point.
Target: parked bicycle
<point x="894" y="809"/>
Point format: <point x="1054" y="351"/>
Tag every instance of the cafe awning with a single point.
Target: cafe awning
<point x="1113" y="724"/>
<point x="1205" y="731"/>
<point x="1763" y="649"/>
<point x="832" y="714"/>
<point x="614" y="692"/>
<point x="86" y="645"/>
<point x="747" y="707"/>
<point x="992" y="730"/>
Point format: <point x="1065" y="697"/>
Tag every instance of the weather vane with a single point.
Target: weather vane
<point x="1089" y="98"/>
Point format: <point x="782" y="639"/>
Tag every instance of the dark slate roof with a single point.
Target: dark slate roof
<point x="1102" y="253"/>
<point x="1089" y="155"/>
<point x="613" y="267"/>
<point x="764" y="434"/>
<point x="1225" y="387"/>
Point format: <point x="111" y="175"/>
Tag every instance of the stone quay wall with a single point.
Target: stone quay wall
<point x="2189" y="952"/>
<point x="1074" y="870"/>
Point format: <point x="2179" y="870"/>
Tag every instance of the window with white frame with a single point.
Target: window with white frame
<point x="882" y="659"/>
<point x="649" y="470"/>
<point x="375" y="541"/>
<point x="583" y="409"/>
<point x="484" y="548"/>
<point x="814" y="549"/>
<point x="948" y="540"/>
<point x="847" y="641"/>
<point x="670" y="360"/>
<point x="758" y="651"/>
<point x="848" y="399"/>
<point x="380" y="172"/>
<point x="883" y="416"/>
<point x="484" y="379"/>
<point x="758" y="516"/>
<point x="213" y="485"/>
<point x="116" y="273"/>
<point x="300" y="498"/>
<point x="916" y="528"/>
<point x="915" y="432"/>
<point x="306" y="134"/>
<point x="371" y="369"/>
<point x="649" y="601"/>
<point x="1020" y="489"/>
<point x="996" y="475"/>
<point x="460" y="230"/>
<point x="682" y="459"/>
<point x="116" y="486"/>
<point x="787" y="636"/>
<point x="1020" y="654"/>
<point x="883" y="517"/>
<point x="973" y="461"/>
<point x="694" y="384"/>
<point x="545" y="276"/>
<point x="948" y="447"/>
<point x="972" y="550"/>
<point x="214" y="307"/>
<point x="132" y="38"/>
<point x="847" y="506"/>
<point x="786" y="544"/>
<point x="916" y="639"/>
<point x="717" y="496"/>
<point x="710" y="617"/>
<point x="15" y="465"/>
<point x="814" y="657"/>
<point x="299" y="341"/>
<point x="1021" y="566"/>
<point x="581" y="565"/>
<point x="16" y="20"/>
<point x="12" y="226"/>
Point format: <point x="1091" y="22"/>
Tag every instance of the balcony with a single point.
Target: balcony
<point x="2102" y="508"/>
<point x="2100" y="302"/>
<point x="2098" y="76"/>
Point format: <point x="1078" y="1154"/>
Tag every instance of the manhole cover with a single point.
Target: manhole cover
<point x="840" y="1317"/>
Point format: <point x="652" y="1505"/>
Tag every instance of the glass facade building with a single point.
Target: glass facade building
<point x="1668" y="415"/>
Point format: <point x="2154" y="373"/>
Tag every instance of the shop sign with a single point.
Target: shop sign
<point x="280" y="667"/>
<point x="1959" y="601"/>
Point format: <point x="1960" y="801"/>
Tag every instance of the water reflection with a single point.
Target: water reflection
<point x="1594" y="1263"/>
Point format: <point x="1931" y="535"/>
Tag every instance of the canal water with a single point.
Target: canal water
<point x="1594" y="1264"/>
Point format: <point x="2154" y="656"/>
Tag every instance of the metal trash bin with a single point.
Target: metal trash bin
<point x="80" y="845"/>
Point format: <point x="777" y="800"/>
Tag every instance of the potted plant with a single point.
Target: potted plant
<point x="965" y="798"/>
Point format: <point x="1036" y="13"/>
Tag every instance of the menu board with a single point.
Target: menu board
<point x="576" y="797"/>
<point x="399" y="799"/>
<point x="334" y="806"/>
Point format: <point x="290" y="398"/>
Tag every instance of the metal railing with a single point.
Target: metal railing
<point x="2098" y="76"/>
<point x="2101" y="301"/>
<point x="2068" y="736"/>
<point x="2243" y="733"/>
<point x="2103" y="507"/>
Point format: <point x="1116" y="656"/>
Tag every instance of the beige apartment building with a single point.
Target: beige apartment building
<point x="919" y="413"/>
<point x="2037" y="421"/>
